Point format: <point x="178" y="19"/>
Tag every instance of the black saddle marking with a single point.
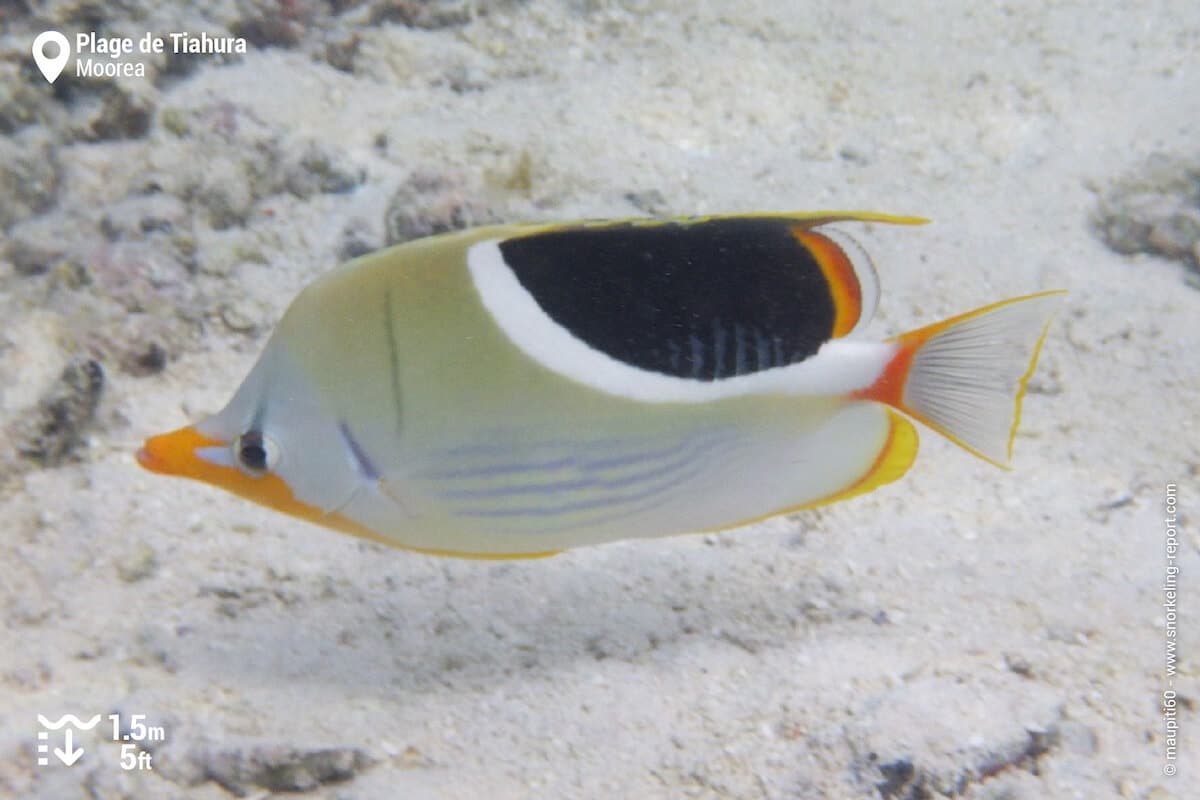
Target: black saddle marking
<point x="703" y="300"/>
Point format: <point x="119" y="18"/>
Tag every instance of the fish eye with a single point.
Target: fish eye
<point x="255" y="454"/>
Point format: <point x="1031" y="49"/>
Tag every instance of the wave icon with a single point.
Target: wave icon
<point x="71" y="718"/>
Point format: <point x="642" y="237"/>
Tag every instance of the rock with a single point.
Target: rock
<point x="939" y="736"/>
<point x="1154" y="209"/>
<point x="69" y="275"/>
<point x="1175" y="235"/>
<point x="107" y="784"/>
<point x="650" y="201"/>
<point x="152" y="648"/>
<point x="145" y="358"/>
<point x="319" y="169"/>
<point x="856" y="153"/>
<point x="90" y="14"/>
<point x="281" y="768"/>
<point x="175" y="121"/>
<point x="429" y="203"/>
<point x="117" y="113"/>
<point x="225" y="253"/>
<point x="236" y="161"/>
<point x="20" y="103"/>
<point x="357" y="239"/>
<point x="34" y="246"/>
<point x="898" y="776"/>
<point x="226" y="193"/>
<point x="515" y="175"/>
<point x="1019" y="664"/>
<point x="29" y="176"/>
<point x="270" y="23"/>
<point x="424" y="14"/>
<point x="31" y="360"/>
<point x="137" y="216"/>
<point x="30" y="677"/>
<point x="240" y="315"/>
<point x="141" y="277"/>
<point x="1077" y="738"/>
<point x="57" y="426"/>
<point x="342" y="53"/>
<point x="136" y="563"/>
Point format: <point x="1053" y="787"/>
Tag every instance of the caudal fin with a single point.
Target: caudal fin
<point x="965" y="377"/>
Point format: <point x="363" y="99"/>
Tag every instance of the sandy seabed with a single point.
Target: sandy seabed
<point x="965" y="632"/>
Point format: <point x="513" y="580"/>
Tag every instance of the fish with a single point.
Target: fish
<point x="513" y="391"/>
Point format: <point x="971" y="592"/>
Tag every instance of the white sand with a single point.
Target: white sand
<point x="961" y="621"/>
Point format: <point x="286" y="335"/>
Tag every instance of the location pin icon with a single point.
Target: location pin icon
<point x="51" y="67"/>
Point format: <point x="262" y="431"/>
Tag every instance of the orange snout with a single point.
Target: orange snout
<point x="174" y="453"/>
<point x="177" y="453"/>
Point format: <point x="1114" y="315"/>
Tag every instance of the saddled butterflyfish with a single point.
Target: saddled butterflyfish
<point x="519" y="390"/>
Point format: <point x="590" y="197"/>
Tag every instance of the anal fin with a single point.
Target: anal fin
<point x="897" y="455"/>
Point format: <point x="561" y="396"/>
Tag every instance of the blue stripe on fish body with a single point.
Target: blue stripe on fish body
<point x="588" y="482"/>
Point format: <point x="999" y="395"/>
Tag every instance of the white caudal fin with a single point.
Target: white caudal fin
<point x="965" y="377"/>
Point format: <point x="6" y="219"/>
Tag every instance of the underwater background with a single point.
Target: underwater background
<point x="964" y="632"/>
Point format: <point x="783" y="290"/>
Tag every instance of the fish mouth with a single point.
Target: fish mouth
<point x="149" y="461"/>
